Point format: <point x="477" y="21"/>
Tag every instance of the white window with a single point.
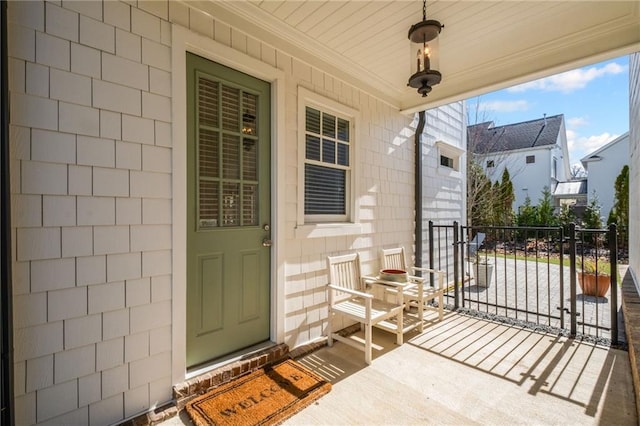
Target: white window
<point x="449" y="156"/>
<point x="327" y="131"/>
<point x="446" y="161"/>
<point x="554" y="168"/>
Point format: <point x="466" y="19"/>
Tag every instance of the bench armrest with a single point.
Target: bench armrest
<point x="429" y="270"/>
<point x="440" y="273"/>
<point x="350" y="291"/>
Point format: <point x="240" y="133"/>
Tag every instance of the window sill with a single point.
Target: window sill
<point x="320" y="230"/>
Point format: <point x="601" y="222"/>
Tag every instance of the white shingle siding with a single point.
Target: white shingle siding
<point x="95" y="34"/>
<point x="114" y="97"/>
<point x="39" y="373"/>
<point x="61" y="22"/>
<point x="443" y="189"/>
<point x="85" y="60"/>
<point x="56" y="400"/>
<point x="23" y="41"/>
<point x="92" y="162"/>
<point x="38" y="243"/>
<point x="37" y="80"/>
<point x="52" y="51"/>
<point x="79" y="119"/>
<point x="137" y="129"/>
<point x="52" y="146"/>
<point x="33" y="111"/>
<point x="66" y="303"/>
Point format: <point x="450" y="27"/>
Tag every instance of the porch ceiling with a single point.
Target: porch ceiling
<point x="485" y="45"/>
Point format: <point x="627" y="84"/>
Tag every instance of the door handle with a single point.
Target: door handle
<point x="267" y="242"/>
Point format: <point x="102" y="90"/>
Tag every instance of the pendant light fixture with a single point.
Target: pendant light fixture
<point x="420" y="34"/>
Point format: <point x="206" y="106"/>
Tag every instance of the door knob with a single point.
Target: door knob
<point x="267" y="242"/>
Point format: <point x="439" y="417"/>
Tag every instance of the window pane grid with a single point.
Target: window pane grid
<point x="230" y="108"/>
<point x="230" y="204"/>
<point x="328" y="125"/>
<point x="249" y="205"/>
<point x="230" y="156"/>
<point x="208" y="99"/>
<point x="249" y="159"/>
<point x="227" y="155"/>
<point x="208" y="158"/>
<point x="208" y="203"/>
<point x="249" y="113"/>
<point x="328" y="151"/>
<point x="312" y="148"/>
<point x="327" y="160"/>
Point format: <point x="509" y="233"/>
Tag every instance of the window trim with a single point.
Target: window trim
<point x="450" y="151"/>
<point x="307" y="98"/>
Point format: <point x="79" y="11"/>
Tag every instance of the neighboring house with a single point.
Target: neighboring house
<point x="535" y="153"/>
<point x="603" y="167"/>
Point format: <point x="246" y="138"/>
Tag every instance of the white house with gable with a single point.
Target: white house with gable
<point x="534" y="152"/>
<point x="603" y="167"/>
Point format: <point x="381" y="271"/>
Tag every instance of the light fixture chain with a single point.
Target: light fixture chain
<point x="424" y="10"/>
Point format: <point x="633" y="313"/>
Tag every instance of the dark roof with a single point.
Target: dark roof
<point x="484" y="138"/>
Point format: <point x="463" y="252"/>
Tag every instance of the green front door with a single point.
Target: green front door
<point x="228" y="210"/>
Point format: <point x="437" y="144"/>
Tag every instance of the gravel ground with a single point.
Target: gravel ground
<point x="602" y="341"/>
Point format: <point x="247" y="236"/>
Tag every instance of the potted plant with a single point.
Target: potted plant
<point x="594" y="281"/>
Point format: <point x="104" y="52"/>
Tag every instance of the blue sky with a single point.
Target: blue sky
<point x="594" y="100"/>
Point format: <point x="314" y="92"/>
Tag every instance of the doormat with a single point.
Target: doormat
<point x="265" y="397"/>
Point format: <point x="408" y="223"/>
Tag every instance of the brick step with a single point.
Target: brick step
<point x="196" y="386"/>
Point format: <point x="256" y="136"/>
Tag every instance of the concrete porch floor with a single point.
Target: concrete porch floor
<point x="466" y="370"/>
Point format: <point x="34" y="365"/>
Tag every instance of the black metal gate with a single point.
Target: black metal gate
<point x="533" y="275"/>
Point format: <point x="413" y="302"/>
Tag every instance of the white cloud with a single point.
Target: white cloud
<point x="504" y="106"/>
<point x="581" y="146"/>
<point x="570" y="81"/>
<point x="577" y="122"/>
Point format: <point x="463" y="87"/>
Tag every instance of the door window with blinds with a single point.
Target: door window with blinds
<point x="327" y="165"/>
<point x="227" y="150"/>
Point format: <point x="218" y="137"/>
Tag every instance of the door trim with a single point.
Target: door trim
<point x="184" y="40"/>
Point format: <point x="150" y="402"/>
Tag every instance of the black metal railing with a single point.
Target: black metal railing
<point x="531" y="274"/>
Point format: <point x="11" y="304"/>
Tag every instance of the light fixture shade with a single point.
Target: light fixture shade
<point x="424" y="31"/>
<point x="424" y="81"/>
<point x="420" y="34"/>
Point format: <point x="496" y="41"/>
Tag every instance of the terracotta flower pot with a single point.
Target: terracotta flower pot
<point x="594" y="286"/>
<point x="395" y="275"/>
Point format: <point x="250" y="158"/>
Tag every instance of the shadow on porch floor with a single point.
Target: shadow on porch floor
<point x="466" y="370"/>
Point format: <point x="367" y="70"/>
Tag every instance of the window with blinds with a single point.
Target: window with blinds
<point x="227" y="163"/>
<point x="327" y="164"/>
